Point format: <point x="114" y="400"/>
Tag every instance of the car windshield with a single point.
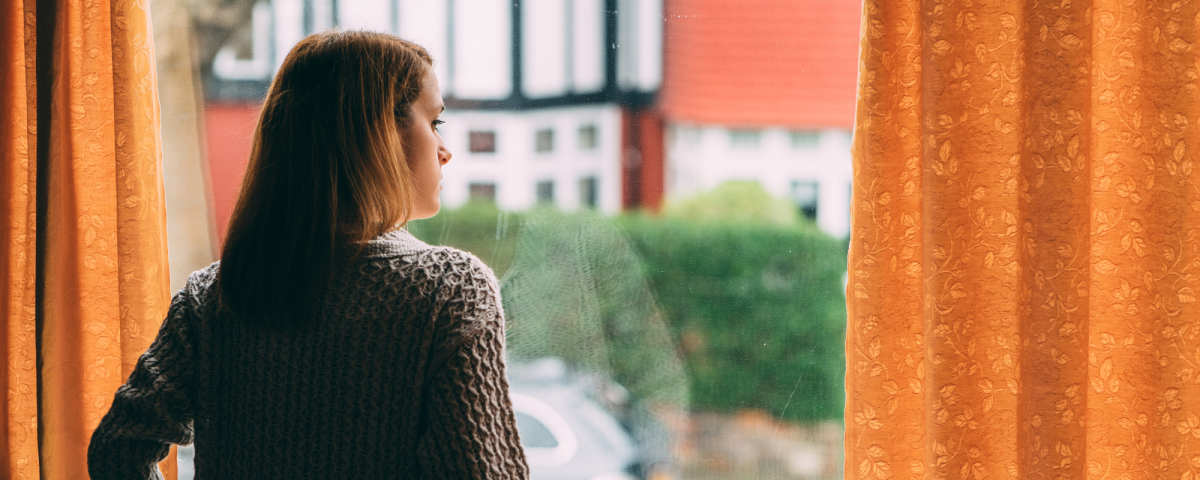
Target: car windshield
<point x="534" y="433"/>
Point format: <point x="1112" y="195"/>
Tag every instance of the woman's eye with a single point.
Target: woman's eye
<point x="436" y="123"/>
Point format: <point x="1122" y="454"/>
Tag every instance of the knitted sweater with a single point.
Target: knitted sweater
<point x="401" y="375"/>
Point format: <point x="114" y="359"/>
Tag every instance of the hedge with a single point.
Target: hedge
<point x="712" y="315"/>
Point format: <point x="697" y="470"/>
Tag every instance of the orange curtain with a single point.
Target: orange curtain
<point x="85" y="282"/>
<point x="1024" y="260"/>
<point x="18" y="180"/>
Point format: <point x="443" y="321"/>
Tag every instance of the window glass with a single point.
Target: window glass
<point x="588" y="192"/>
<point x="804" y="193"/>
<point x="678" y="280"/>
<point x="482" y="192"/>
<point x="544" y="140"/>
<point x="482" y="141"/>
<point x="744" y="138"/>
<point x="534" y="433"/>
<point x="587" y="137"/>
<point x="804" y="139"/>
<point x="545" y="191"/>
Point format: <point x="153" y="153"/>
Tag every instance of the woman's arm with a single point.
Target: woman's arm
<point x="152" y="410"/>
<point x="471" y="431"/>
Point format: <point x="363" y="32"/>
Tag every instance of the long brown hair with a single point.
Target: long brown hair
<point x="326" y="171"/>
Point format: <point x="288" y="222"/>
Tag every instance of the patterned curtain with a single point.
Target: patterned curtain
<point x="84" y="283"/>
<point x="1024" y="262"/>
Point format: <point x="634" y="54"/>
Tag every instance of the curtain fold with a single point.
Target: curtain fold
<point x="1024" y="257"/>
<point x="18" y="182"/>
<point x="99" y="262"/>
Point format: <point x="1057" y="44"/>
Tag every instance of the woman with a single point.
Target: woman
<point x="328" y="342"/>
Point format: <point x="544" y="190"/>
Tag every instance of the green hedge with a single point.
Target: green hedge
<point x="758" y="311"/>
<point x="718" y="316"/>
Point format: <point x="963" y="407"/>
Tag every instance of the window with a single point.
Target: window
<point x="804" y="140"/>
<point x="655" y="304"/>
<point x="534" y="434"/>
<point x="544" y="140"/>
<point x="587" y="137"/>
<point x="744" y="138"/>
<point x="545" y="192"/>
<point x="587" y="192"/>
<point x="482" y="192"/>
<point x="804" y="194"/>
<point x="482" y="141"/>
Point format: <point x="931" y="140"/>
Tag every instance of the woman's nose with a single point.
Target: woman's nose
<point x="444" y="155"/>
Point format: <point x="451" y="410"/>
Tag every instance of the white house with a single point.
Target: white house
<point x="764" y="92"/>
<point x="587" y="104"/>
<point x="539" y="92"/>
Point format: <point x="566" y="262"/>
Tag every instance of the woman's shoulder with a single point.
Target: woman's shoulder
<point x="402" y="248"/>
<point x="200" y="283"/>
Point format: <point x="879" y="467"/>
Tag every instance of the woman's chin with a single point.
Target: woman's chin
<point x="426" y="211"/>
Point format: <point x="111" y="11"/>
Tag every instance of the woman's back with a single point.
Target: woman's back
<point x="286" y="361"/>
<point x="399" y="374"/>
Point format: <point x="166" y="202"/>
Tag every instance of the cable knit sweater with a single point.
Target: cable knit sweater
<point x="401" y="375"/>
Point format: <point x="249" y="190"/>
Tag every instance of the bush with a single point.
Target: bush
<point x="757" y="311"/>
<point x="722" y="315"/>
<point x="744" y="200"/>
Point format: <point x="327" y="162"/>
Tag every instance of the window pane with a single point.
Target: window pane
<point x="482" y="141"/>
<point x="587" y="137"/>
<point x="545" y="192"/>
<point x="804" y="140"/>
<point x="743" y="138"/>
<point x="684" y="269"/>
<point x="804" y="194"/>
<point x="587" y="192"/>
<point x="483" y="192"/>
<point x="544" y="141"/>
<point x="533" y="433"/>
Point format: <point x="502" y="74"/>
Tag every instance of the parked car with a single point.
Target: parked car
<point x="568" y="437"/>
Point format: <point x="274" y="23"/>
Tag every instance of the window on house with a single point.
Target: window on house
<point x="587" y="192"/>
<point x="804" y="195"/>
<point x="544" y="140"/>
<point x="482" y="141"/>
<point x="587" y="137"/>
<point x="545" y="192"/>
<point x="804" y="139"/>
<point x="482" y="192"/>
<point x="744" y="138"/>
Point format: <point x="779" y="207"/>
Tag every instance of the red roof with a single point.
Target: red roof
<point x="789" y="63"/>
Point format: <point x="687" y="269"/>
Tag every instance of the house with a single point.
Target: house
<point x="548" y="101"/>
<point x="766" y="94"/>
<point x="587" y="103"/>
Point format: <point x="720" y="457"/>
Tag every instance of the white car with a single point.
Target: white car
<point x="568" y="437"/>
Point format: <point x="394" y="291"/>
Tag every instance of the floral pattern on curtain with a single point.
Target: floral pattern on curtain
<point x="97" y="229"/>
<point x="18" y="180"/>
<point x="1024" y="259"/>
